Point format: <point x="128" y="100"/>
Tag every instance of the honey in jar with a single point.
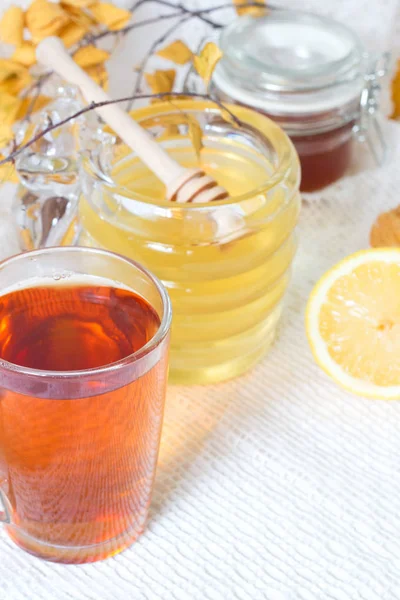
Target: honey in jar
<point x="225" y="264"/>
<point x="311" y="75"/>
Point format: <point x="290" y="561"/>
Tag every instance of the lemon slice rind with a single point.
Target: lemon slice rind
<point x="318" y="345"/>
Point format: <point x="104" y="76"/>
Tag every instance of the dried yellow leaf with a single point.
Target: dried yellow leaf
<point x="71" y="34"/>
<point x="9" y="107"/>
<point x="228" y="117"/>
<point x="99" y="74"/>
<point x="16" y="83"/>
<point x="8" y="173"/>
<point x="206" y="61"/>
<point x="45" y="18"/>
<point x="396" y="93"/>
<point x="88" y="56"/>
<point x="12" y="26"/>
<point x="243" y="8"/>
<point x="111" y="16"/>
<point x="33" y="105"/>
<point x="79" y="16"/>
<point x="386" y="229"/>
<point x="161" y="82"/>
<point x="14" y="77"/>
<point x="79" y="3"/>
<point x="6" y="134"/>
<point x="121" y="150"/>
<point x="196" y="136"/>
<point x="10" y="68"/>
<point x="170" y="131"/>
<point x="177" y="52"/>
<point x="25" y="55"/>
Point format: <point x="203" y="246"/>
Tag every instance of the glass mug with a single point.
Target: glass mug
<point x="78" y="448"/>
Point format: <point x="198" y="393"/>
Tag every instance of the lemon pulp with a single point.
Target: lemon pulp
<point x="353" y="322"/>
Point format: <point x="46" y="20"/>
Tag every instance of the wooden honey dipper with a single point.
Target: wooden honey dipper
<point x="182" y="184"/>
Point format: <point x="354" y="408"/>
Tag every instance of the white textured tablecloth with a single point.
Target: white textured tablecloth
<point x="277" y="485"/>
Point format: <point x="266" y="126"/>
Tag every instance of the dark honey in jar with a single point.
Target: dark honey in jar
<point x="313" y="77"/>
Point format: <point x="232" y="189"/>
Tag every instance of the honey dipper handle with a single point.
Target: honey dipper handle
<point x="51" y="52"/>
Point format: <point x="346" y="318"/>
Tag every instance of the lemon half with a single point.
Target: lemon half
<point x="353" y="323"/>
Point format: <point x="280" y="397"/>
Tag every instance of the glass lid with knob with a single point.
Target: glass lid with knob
<point x="291" y="62"/>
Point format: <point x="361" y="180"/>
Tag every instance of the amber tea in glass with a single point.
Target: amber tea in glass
<point x="83" y="365"/>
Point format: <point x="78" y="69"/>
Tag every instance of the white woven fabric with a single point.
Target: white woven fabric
<point x="277" y="485"/>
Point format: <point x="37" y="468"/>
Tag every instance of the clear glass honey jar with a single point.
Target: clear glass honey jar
<point x="313" y="77"/>
<point x="225" y="264"/>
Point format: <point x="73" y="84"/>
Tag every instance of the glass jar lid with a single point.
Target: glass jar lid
<point x="291" y="63"/>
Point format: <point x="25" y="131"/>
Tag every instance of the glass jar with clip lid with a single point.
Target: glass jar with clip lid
<point x="311" y="75"/>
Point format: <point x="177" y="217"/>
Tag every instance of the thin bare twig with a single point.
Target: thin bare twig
<point x="180" y="10"/>
<point x="150" y="52"/>
<point x="199" y="13"/>
<point x="94" y="105"/>
<point x="32" y="103"/>
<point x="211" y="9"/>
<point x="137" y="25"/>
<point x="227" y="5"/>
<point x="137" y="5"/>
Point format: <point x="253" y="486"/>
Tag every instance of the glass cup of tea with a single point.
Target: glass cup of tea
<point x="84" y="338"/>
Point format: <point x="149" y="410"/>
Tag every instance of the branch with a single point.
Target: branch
<point x="226" y="5"/>
<point x="180" y="10"/>
<point x="137" y="25"/>
<point x="192" y="12"/>
<point x="149" y="54"/>
<point x="137" y="4"/>
<point x="204" y="11"/>
<point x="95" y="105"/>
<point x="188" y="15"/>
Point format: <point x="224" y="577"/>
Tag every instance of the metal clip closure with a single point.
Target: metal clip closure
<point x="368" y="128"/>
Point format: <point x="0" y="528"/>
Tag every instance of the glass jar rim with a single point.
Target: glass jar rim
<point x="118" y="366"/>
<point x="327" y="63"/>
<point x="258" y="124"/>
